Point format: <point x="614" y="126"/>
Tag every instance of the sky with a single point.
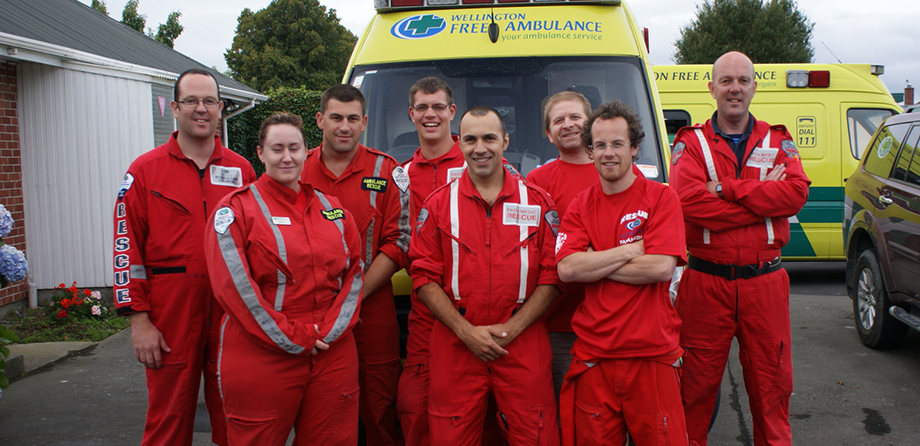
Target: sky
<point x="853" y="31"/>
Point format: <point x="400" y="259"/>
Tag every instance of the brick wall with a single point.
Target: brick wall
<point x="11" y="174"/>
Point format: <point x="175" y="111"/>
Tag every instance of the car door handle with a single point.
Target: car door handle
<point x="884" y="200"/>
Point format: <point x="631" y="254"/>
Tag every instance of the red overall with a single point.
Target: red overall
<point x="488" y="259"/>
<point x="624" y="375"/>
<point x="747" y="226"/>
<point x="161" y="212"/>
<point x="412" y="403"/>
<point x="283" y="263"/>
<point x="374" y="189"/>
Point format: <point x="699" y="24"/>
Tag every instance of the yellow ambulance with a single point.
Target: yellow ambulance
<point x="832" y="110"/>
<point x="510" y="55"/>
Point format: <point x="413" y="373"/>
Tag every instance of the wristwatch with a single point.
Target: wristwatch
<point x="719" y="190"/>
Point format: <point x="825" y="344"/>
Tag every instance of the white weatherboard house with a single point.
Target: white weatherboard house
<point x="81" y="96"/>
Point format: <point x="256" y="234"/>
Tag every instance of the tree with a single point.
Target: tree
<point x="771" y="32"/>
<point x="169" y="31"/>
<point x="130" y="17"/>
<point x="99" y="5"/>
<point x="290" y="43"/>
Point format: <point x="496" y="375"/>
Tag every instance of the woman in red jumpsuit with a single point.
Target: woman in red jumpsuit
<point x="285" y="264"/>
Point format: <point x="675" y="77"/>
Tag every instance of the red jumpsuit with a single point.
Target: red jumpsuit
<point x="563" y="181"/>
<point x="489" y="260"/>
<point x="283" y="263"/>
<point x="625" y="373"/>
<point x="748" y="226"/>
<point x="161" y="212"/>
<point x="375" y="189"/>
<point x="412" y="403"/>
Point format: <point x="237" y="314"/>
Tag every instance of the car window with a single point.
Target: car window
<point x="903" y="165"/>
<point x="862" y="123"/>
<point x="885" y="148"/>
<point x="913" y="172"/>
<point x="674" y="120"/>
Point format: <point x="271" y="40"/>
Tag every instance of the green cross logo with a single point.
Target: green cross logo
<point x="423" y="24"/>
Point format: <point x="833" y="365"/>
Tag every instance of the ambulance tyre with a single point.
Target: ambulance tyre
<point x="877" y="328"/>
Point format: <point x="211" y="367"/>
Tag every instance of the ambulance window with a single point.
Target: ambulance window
<point x="905" y="169"/>
<point x="862" y="123"/>
<point x="885" y="149"/>
<point x="674" y="120"/>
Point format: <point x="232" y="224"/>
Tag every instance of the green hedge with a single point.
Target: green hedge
<point x="243" y="130"/>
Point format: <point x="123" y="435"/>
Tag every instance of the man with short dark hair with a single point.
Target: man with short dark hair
<point x="739" y="181"/>
<point x="623" y="238"/>
<point x="482" y="262"/>
<point x="161" y="278"/>
<point x="375" y="189"/>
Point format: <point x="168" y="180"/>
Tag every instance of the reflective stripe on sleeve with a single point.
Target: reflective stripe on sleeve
<point x="138" y="272"/>
<point x="525" y="259"/>
<point x="241" y="281"/>
<point x="282" y="252"/>
<point x="454" y="246"/>
<point x="711" y="167"/>
<point x="369" y="241"/>
<point x="351" y="301"/>
<point x="763" y="173"/>
<point x="405" y="228"/>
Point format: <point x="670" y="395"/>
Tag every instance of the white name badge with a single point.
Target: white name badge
<point x="454" y="173"/>
<point x="226" y="176"/>
<point x="762" y="157"/>
<point x="281" y="221"/>
<point x="521" y="215"/>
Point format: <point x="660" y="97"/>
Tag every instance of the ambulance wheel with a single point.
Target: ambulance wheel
<point x="876" y="327"/>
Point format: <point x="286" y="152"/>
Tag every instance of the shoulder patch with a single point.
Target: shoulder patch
<point x="513" y="171"/>
<point x="676" y="152"/>
<point x="401" y="177"/>
<point x="333" y="214"/>
<point x="552" y="219"/>
<point x="374" y="184"/>
<point x="422" y="217"/>
<point x="790" y="149"/>
<point x="125" y="185"/>
<point x="222" y="220"/>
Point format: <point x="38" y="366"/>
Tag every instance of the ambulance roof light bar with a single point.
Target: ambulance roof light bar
<point x="809" y="79"/>
<point x="390" y="5"/>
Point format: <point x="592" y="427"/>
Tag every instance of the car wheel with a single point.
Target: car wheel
<point x="876" y="327"/>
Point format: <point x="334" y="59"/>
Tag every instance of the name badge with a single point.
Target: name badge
<point x="281" y="221"/>
<point x="454" y="173"/>
<point x="226" y="176"/>
<point x="521" y="215"/>
<point x="762" y="157"/>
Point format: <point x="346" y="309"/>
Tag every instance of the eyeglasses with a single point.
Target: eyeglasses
<point x="438" y="108"/>
<point x="602" y="146"/>
<point x="192" y="102"/>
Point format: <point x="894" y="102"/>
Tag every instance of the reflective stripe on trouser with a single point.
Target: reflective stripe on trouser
<point x="756" y="311"/>
<point x="460" y="383"/>
<point x="268" y="392"/>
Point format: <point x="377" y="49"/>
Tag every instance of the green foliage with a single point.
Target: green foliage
<point x="290" y="43"/>
<point x="243" y="130"/>
<point x="99" y="5"/>
<point x="774" y="31"/>
<point x="130" y="16"/>
<point x="169" y="31"/>
<point x="6" y="337"/>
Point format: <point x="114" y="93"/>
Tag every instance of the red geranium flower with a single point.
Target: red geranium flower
<point x="86" y="292"/>
<point x="65" y="303"/>
<point x="62" y="314"/>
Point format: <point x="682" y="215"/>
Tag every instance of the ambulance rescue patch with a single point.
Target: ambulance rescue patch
<point x="677" y="152"/>
<point x="790" y="149"/>
<point x="552" y="219"/>
<point x="374" y="184"/>
<point x="125" y="185"/>
<point x="222" y="220"/>
<point x="333" y="214"/>
<point x="401" y="178"/>
<point x="422" y="216"/>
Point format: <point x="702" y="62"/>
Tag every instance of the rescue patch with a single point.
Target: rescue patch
<point x="422" y="216"/>
<point x="790" y="149"/>
<point x="552" y="219"/>
<point x="226" y="176"/>
<point x="333" y="214"/>
<point x="454" y="173"/>
<point x="374" y="184"/>
<point x="762" y="157"/>
<point x="125" y="185"/>
<point x="222" y="220"/>
<point x="677" y="152"/>
<point x="513" y="171"/>
<point x="515" y="214"/>
<point x="401" y="178"/>
<point x="560" y="240"/>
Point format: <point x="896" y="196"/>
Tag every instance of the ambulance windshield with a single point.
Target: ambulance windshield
<point x="517" y="88"/>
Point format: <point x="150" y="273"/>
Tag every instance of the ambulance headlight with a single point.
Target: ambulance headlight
<point x="796" y="78"/>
